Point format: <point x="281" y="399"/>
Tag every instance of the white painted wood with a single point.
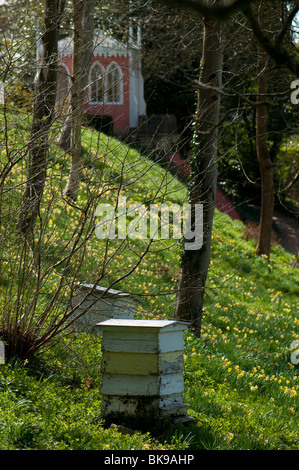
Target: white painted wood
<point x="171" y="341"/>
<point x="2" y="352"/>
<point x="142" y="335"/>
<point x="142" y="341"/>
<point x="140" y="385"/>
<point x="108" y="292"/>
<point x="142" y="367"/>
<point x="100" y="305"/>
<point x="133" y="406"/>
<point x="173" y="400"/>
<point x="129" y="406"/>
<point x="127" y="363"/>
<point x="171" y="362"/>
<point x="129" y="342"/>
<point x="165" y="324"/>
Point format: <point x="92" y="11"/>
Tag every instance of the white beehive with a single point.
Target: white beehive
<point x="142" y="368"/>
<point x="2" y="352"/>
<point x="99" y="305"/>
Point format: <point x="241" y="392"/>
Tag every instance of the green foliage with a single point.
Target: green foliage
<point x="19" y="95"/>
<point x="54" y="403"/>
<point x="65" y="248"/>
<point x="239" y="382"/>
<point x="238" y="164"/>
<point x="287" y="166"/>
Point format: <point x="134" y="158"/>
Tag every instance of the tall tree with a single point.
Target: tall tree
<point x="43" y="115"/>
<point x="265" y="163"/>
<point x="70" y="139"/>
<point x="195" y="263"/>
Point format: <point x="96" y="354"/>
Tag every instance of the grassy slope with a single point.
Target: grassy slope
<point x="239" y="381"/>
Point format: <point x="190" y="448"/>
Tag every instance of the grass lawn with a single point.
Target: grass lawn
<point x="240" y="382"/>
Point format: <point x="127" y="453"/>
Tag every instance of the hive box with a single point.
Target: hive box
<point x="99" y="305"/>
<point x="142" y="368"/>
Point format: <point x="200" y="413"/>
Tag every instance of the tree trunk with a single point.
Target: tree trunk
<point x="83" y="14"/>
<point x="76" y="103"/>
<point x="64" y="140"/>
<point x="88" y="41"/>
<point x="43" y="114"/>
<point x="266" y="166"/>
<point x="195" y="263"/>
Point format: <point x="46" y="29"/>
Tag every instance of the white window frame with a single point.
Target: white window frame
<point x="119" y="84"/>
<point x="96" y="64"/>
<point x="106" y="73"/>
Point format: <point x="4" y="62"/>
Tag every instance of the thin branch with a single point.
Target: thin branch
<point x="286" y="26"/>
<point x="198" y="84"/>
<point x="294" y="180"/>
<point x="280" y="55"/>
<point x="222" y="11"/>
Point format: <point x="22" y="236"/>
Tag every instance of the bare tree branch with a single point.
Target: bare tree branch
<point x="280" y="55"/>
<point x="287" y="25"/>
<point x="220" y="11"/>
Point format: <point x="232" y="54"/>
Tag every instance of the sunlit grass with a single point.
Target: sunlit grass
<point x="240" y="383"/>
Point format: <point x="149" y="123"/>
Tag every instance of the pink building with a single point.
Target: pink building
<point x="115" y="83"/>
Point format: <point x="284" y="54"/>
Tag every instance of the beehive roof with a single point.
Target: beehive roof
<point x="167" y="324"/>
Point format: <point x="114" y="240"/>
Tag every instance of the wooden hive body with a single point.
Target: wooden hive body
<point x="97" y="304"/>
<point x="142" y="368"/>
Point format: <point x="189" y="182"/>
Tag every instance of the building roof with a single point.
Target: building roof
<point x="103" y="46"/>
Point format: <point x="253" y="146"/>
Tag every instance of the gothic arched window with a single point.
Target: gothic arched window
<point x="114" y="84"/>
<point x="96" y="83"/>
